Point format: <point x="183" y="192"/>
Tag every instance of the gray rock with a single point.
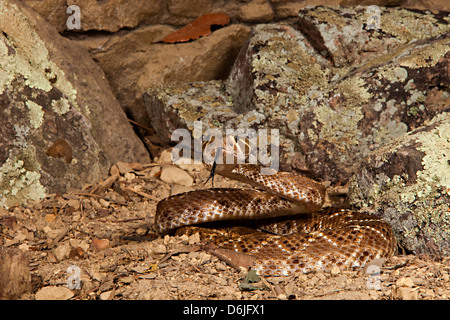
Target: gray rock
<point x="335" y="89"/>
<point x="172" y="174"/>
<point x="407" y="182"/>
<point x="60" y="124"/>
<point x="62" y="251"/>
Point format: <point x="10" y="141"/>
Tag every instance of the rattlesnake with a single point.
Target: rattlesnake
<point x="311" y="238"/>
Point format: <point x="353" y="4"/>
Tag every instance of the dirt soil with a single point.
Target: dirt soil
<point x="105" y="232"/>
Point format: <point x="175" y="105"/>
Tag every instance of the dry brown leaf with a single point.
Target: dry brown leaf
<point x="184" y="249"/>
<point x="200" y="27"/>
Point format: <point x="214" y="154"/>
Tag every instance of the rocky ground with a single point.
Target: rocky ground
<point x="101" y="235"/>
<point x="68" y="97"/>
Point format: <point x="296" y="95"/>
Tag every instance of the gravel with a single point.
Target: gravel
<point x="104" y="232"/>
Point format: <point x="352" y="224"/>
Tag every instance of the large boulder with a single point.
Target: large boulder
<point x="337" y="88"/>
<point x="407" y="182"/>
<point x="60" y="125"/>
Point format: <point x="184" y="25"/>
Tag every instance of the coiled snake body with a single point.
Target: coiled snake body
<point x="310" y="239"/>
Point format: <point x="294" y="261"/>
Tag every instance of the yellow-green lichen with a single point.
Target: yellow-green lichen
<point x="340" y="125"/>
<point x="328" y="14"/>
<point x="285" y="64"/>
<point x="354" y="91"/>
<point x="36" y="114"/>
<point x="60" y="106"/>
<point x="425" y="200"/>
<point x="408" y="25"/>
<point x="18" y="63"/>
<point x="23" y="52"/>
<point x="435" y="175"/>
<point x="436" y="145"/>
<point x="286" y="72"/>
<point x="393" y="74"/>
<point x="426" y="56"/>
<point x="414" y="111"/>
<point x="20" y="180"/>
<point x="195" y="102"/>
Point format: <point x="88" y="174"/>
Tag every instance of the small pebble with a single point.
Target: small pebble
<point x="172" y="174"/>
<point x="100" y="244"/>
<point x="404" y="282"/>
<point x="335" y="270"/>
<point x="54" y="293"/>
<point x="165" y="157"/>
<point x="61" y="252"/>
<point x="107" y="295"/>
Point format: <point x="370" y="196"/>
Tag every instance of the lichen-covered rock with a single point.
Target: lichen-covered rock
<point x="335" y="88"/>
<point x="372" y="106"/>
<point x="407" y="182"/>
<point x="179" y="106"/>
<point x="353" y="35"/>
<point x="365" y="88"/>
<point x="60" y="125"/>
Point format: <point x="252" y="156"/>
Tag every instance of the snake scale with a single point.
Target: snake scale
<point x="293" y="232"/>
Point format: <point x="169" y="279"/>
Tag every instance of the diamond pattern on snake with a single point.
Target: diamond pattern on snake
<point x="293" y="232"/>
